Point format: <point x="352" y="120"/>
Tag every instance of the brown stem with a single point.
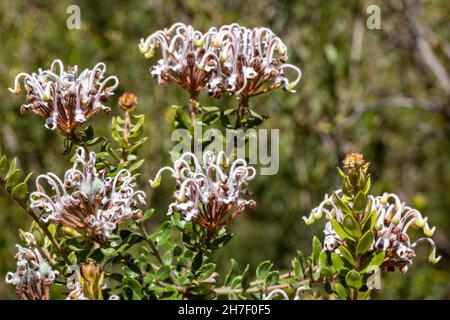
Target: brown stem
<point x="193" y="105"/>
<point x="242" y="109"/>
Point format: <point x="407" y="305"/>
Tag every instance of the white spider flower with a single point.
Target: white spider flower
<point x="34" y="276"/>
<point x="232" y="59"/>
<point x="66" y="98"/>
<point x="87" y="200"/>
<point x="206" y="193"/>
<point x="393" y="220"/>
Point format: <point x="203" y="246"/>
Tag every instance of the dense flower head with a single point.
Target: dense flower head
<point x="34" y="276"/>
<point x="232" y="59"/>
<point x="393" y="221"/>
<point x="87" y="200"/>
<point x="205" y="192"/>
<point x="65" y="98"/>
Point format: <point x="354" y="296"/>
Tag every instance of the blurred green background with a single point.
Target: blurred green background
<point x="384" y="92"/>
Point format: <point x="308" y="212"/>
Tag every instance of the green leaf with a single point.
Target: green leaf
<point x="20" y="191"/>
<point x="147" y="214"/>
<point x="149" y="278"/>
<point x="341" y="291"/>
<point x="134" y="286"/>
<point x="298" y="270"/>
<point x="341" y="172"/>
<point x="353" y="279"/>
<point x="365" y="243"/>
<point x="167" y="257"/>
<point x="263" y="269"/>
<point x="12" y="178"/>
<point x="272" y="278"/>
<point x="12" y="168"/>
<point x="347" y="255"/>
<point x="136" y="165"/>
<point x="137" y="145"/>
<point x="232" y="273"/>
<point x="129" y="273"/>
<point x="109" y="252"/>
<point x="369" y="221"/>
<point x="206" y="271"/>
<point x="317" y="248"/>
<point x="236" y="282"/>
<point x="339" y="230"/>
<point x="359" y="204"/>
<point x="373" y="263"/>
<point x="245" y="283"/>
<point x="367" y="186"/>
<point x="72" y="258"/>
<point x="163" y="234"/>
<point x="197" y="262"/>
<point x="337" y="261"/>
<point x="323" y="259"/>
<point x="351" y="226"/>
<point x="3" y="166"/>
<point x="341" y="204"/>
<point x="256" y="115"/>
<point x="163" y="273"/>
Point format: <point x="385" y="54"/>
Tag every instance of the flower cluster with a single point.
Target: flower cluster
<point x="34" y="276"/>
<point x="65" y="98"/>
<point x="205" y="193"/>
<point x="87" y="200"/>
<point x="231" y="59"/>
<point x="393" y="220"/>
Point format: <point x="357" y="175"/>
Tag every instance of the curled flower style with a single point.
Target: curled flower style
<point x="34" y="276"/>
<point x="253" y="61"/>
<point x="87" y="200"/>
<point x="278" y="292"/>
<point x="188" y="57"/>
<point x="393" y="220"/>
<point x="205" y="193"/>
<point x="232" y="59"/>
<point x="65" y="98"/>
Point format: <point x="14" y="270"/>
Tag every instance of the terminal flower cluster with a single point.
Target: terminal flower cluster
<point x="65" y="98"/>
<point x="393" y="221"/>
<point x="232" y="59"/>
<point x="205" y="192"/>
<point x="87" y="200"/>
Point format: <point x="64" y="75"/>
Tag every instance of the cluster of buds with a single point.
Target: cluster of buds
<point x="65" y="98"/>
<point x="34" y="276"/>
<point x="231" y="59"/>
<point x="87" y="200"/>
<point x="392" y="220"/>
<point x="85" y="283"/>
<point x="205" y="193"/>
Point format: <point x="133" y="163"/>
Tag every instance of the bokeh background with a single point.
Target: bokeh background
<point x="384" y="92"/>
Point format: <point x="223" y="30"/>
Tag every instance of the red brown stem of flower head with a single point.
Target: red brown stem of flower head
<point x="193" y="105"/>
<point x="242" y="109"/>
